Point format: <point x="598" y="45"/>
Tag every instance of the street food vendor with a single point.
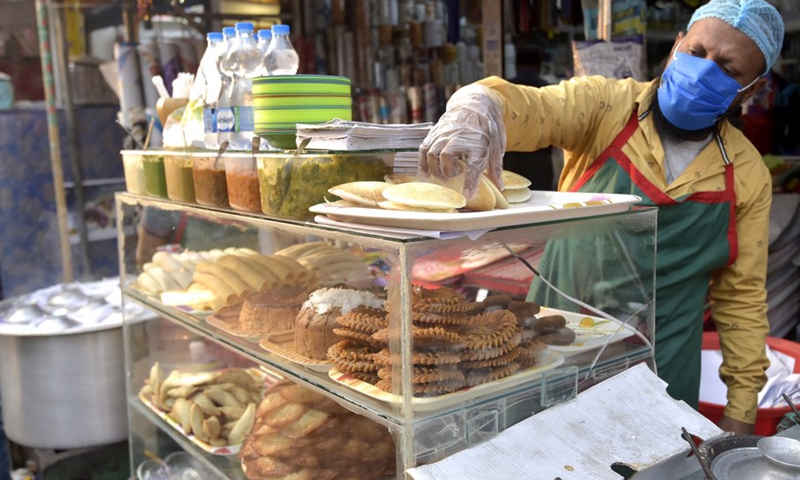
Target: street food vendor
<point x="669" y="142"/>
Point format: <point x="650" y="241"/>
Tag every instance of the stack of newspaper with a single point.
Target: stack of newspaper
<point x="343" y="135"/>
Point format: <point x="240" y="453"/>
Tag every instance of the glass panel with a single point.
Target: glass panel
<point x="339" y="313"/>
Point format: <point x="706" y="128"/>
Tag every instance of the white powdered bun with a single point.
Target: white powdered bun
<point x="517" y="195"/>
<point x="345" y="299"/>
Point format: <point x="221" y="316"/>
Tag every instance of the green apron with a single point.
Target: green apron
<point x="696" y="236"/>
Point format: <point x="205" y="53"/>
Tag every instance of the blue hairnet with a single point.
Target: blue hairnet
<point x="755" y="18"/>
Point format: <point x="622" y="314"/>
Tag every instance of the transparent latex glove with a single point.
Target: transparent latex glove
<point x="468" y="139"/>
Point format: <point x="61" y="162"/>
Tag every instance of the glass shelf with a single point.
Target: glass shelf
<point x="224" y="466"/>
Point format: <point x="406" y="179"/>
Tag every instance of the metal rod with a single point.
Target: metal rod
<point x="688" y="437"/>
<point x="794" y="409"/>
<point x="53" y="136"/>
<point x="62" y="57"/>
<point x="604" y="21"/>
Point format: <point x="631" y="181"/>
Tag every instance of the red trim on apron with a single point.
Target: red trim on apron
<point x="656" y="194"/>
<point x="615" y="147"/>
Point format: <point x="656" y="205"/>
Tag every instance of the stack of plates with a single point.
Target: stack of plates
<point x="282" y="101"/>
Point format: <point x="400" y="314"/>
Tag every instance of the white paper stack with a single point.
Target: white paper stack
<point x="406" y="162"/>
<point x="343" y="135"/>
<point x="780" y="379"/>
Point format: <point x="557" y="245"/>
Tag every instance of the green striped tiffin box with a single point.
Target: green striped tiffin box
<point x="282" y="101"/>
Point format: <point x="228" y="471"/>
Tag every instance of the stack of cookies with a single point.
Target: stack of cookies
<point x="528" y="348"/>
<point x="456" y="344"/>
<point x="438" y="318"/>
<point x="355" y="353"/>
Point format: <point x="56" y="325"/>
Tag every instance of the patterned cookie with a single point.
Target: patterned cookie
<point x="427" y="374"/>
<point x="359" y="338"/>
<point x="384" y="357"/>
<point x="490" y="329"/>
<point x="361" y="322"/>
<point x="491" y="352"/>
<point x="485" y="375"/>
<point x="509" y="357"/>
<point x="423" y="319"/>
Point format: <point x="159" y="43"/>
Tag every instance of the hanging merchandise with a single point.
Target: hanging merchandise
<point x="509" y="59"/>
<point x="128" y="81"/>
<point x="170" y="63"/>
<point x="616" y="59"/>
<point x="282" y="59"/>
<point x="523" y="16"/>
<point x="628" y="18"/>
<point x="150" y="67"/>
<point x="244" y="61"/>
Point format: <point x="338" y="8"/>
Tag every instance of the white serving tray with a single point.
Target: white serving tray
<point x="548" y="361"/>
<point x="541" y="207"/>
<point x="587" y="338"/>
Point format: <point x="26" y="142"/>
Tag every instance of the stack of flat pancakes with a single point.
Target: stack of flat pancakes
<point x="410" y="193"/>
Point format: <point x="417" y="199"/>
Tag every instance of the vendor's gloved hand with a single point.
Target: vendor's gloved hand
<point x="470" y="135"/>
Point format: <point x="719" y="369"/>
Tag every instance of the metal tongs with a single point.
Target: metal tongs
<point x="696" y="452"/>
<point x="794" y="409"/>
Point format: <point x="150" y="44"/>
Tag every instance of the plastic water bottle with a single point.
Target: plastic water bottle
<point x="282" y="59"/>
<point x="264" y="39"/>
<point x="211" y="84"/>
<point x="224" y="112"/>
<point x="244" y="60"/>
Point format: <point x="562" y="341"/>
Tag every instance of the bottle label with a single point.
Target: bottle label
<point x="226" y="120"/>
<point x="209" y="120"/>
<point x="245" y="119"/>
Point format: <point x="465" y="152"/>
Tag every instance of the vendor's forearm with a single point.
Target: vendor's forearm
<point x="738" y="296"/>
<point x="564" y="115"/>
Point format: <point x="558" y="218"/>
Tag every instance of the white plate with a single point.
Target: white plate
<point x="587" y="338"/>
<point x="223" y="450"/>
<point x="548" y="361"/>
<point x="541" y="207"/>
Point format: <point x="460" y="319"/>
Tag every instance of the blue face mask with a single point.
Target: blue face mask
<point x="694" y="92"/>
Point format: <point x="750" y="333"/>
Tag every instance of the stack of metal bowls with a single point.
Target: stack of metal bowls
<point x="62" y="371"/>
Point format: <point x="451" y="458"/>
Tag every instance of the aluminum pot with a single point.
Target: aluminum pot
<point x="65" y="390"/>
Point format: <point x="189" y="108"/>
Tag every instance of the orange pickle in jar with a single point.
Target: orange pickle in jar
<point x="242" y="181"/>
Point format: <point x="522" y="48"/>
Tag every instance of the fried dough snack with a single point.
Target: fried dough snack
<point x="217" y="407"/>
<point x="300" y="434"/>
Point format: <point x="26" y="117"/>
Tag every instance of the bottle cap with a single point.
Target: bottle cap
<point x="244" y="26"/>
<point x="229" y="32"/>
<point x="265" y="33"/>
<point x="215" y="36"/>
<point x="280" y="29"/>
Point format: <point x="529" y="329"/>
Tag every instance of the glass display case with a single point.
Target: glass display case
<point x="287" y="349"/>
